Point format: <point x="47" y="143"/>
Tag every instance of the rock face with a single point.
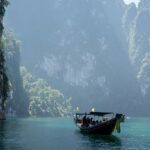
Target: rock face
<point x="17" y="101"/>
<point x="86" y="54"/>
<point x="3" y="76"/>
<point x="88" y="57"/>
<point x="138" y="36"/>
<point x="96" y="51"/>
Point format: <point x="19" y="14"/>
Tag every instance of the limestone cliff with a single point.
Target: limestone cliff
<point x="3" y="76"/>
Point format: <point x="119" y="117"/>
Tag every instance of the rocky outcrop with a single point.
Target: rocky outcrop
<point x="96" y="51"/>
<point x="17" y="101"/>
<point x="87" y="51"/>
<point x="138" y="36"/>
<point x="3" y="76"/>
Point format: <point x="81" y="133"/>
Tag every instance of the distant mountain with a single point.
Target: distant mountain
<point x="29" y="95"/>
<point x="138" y="36"/>
<point x="96" y="52"/>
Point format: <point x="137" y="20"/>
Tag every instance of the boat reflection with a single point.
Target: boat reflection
<point x="92" y="141"/>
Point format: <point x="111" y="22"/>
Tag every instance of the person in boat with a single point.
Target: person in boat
<point x="104" y="119"/>
<point x="88" y="120"/>
<point x="97" y="122"/>
<point x="78" y="120"/>
<point x="91" y="120"/>
<point x="84" y="120"/>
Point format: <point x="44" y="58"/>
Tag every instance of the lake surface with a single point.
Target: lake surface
<point x="62" y="134"/>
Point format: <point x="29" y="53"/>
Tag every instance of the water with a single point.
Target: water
<point x="62" y="134"/>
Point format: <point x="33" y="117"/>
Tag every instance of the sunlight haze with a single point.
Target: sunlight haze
<point x="130" y="1"/>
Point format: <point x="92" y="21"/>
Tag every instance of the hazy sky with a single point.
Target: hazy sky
<point x="129" y="1"/>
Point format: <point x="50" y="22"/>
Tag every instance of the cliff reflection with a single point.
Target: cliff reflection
<point x="9" y="135"/>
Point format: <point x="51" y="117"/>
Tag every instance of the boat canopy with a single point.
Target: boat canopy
<point x="101" y="113"/>
<point x="95" y="113"/>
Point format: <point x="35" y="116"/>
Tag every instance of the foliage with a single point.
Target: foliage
<point x="44" y="100"/>
<point x="18" y="101"/>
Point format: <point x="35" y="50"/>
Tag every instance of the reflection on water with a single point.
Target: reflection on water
<point x="61" y="133"/>
<point x="37" y="134"/>
<point x="2" y="134"/>
<point x="93" y="142"/>
<point x="9" y="137"/>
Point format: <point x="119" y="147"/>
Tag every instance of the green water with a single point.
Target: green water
<point x="62" y="134"/>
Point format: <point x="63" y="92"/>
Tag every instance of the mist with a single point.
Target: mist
<point x="95" y="53"/>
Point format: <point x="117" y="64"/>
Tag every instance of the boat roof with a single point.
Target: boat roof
<point x="95" y="113"/>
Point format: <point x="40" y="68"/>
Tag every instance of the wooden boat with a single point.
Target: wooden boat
<point x="103" y="123"/>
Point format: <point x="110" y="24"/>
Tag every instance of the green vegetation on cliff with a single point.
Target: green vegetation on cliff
<point x="96" y="52"/>
<point x="136" y="26"/>
<point x="29" y="95"/>
<point x="17" y="100"/>
<point x="43" y="99"/>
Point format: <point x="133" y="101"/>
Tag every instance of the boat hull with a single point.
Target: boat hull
<point x="105" y="128"/>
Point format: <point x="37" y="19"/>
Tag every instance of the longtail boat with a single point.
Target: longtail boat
<point x="103" y="123"/>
